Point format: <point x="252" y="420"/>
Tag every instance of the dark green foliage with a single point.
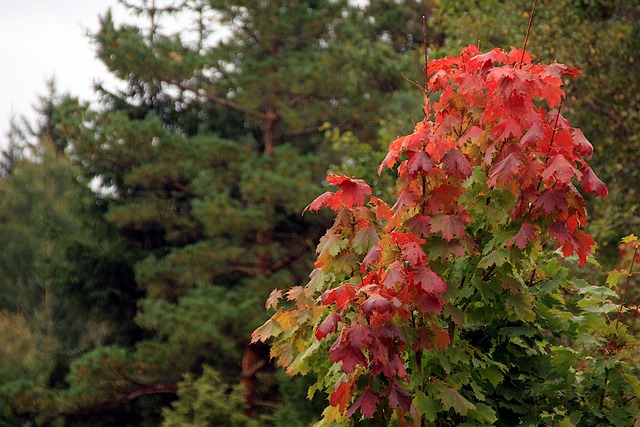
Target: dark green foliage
<point x="203" y="164"/>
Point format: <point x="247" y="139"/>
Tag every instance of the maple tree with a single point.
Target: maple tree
<point x="457" y="304"/>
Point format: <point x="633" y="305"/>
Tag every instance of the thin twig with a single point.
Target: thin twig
<point x="526" y="38"/>
<point x="626" y="289"/>
<point x="555" y="127"/>
<point x="426" y="52"/>
<point x="422" y="89"/>
<point x="553" y="135"/>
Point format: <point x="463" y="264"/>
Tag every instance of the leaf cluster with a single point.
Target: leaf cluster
<point x="455" y="305"/>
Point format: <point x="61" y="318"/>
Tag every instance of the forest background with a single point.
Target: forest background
<point x="141" y="236"/>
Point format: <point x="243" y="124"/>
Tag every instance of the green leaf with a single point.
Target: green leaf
<point x="484" y="413"/>
<point x="563" y="359"/>
<point x="269" y="329"/>
<point x="566" y="422"/>
<point x="365" y="238"/>
<point x="426" y="406"/>
<point x="452" y="399"/>
<point x="522" y="305"/>
<point x="458" y="379"/>
<point x="493" y="374"/>
<point x="332" y="243"/>
<point x="613" y="278"/>
<point x="317" y="280"/>
<point x="633" y="382"/>
<point x="518" y="331"/>
<point x="297" y="364"/>
<point x="620" y="417"/>
<point x="478" y="391"/>
<point x="497" y="257"/>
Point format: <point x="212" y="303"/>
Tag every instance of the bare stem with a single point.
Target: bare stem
<point x="526" y="38"/>
<point x="426" y="52"/>
<point x="626" y="288"/>
<point x="555" y="127"/>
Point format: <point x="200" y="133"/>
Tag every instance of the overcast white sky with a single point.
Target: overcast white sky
<point x="40" y="39"/>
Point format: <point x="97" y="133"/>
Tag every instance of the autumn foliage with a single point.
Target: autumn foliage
<point x="418" y="310"/>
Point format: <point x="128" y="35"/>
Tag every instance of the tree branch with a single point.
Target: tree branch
<point x="163" y="388"/>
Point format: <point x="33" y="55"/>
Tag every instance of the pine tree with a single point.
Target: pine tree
<point x="204" y="162"/>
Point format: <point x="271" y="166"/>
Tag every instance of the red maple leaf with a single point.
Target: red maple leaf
<point x="342" y="296"/>
<point x="503" y="171"/>
<point x="394" y="367"/>
<point x="430" y="281"/>
<point x="444" y="197"/>
<point x="394" y="275"/>
<point x="361" y="335"/>
<point x="470" y="83"/>
<point x="382" y="210"/>
<point x="533" y="135"/>
<point x="560" y="169"/>
<point x="556" y="71"/>
<point x="514" y="56"/>
<point x="443" y="339"/>
<point x="439" y="145"/>
<point x="407" y="197"/>
<point x="378" y="354"/>
<point x="398" y="397"/>
<point x="489" y="59"/>
<point x="474" y="132"/>
<point x="367" y="403"/>
<point x="401" y="239"/>
<point x="582" y="244"/>
<point x="427" y="337"/>
<point x="390" y="334"/>
<point x="449" y="225"/>
<point x="418" y="162"/>
<point x="413" y="254"/>
<point x="508" y="80"/>
<point x="393" y="154"/>
<point x="374" y="255"/>
<point x="528" y="196"/>
<point x="328" y="325"/>
<point x="507" y="126"/>
<point x="553" y="94"/>
<point x="553" y="200"/>
<point x="352" y="191"/>
<point x="592" y="184"/>
<point x="419" y="225"/>
<point x="376" y="302"/>
<point x="456" y="163"/>
<point x="326" y="199"/>
<point x="428" y="303"/>
<point x="527" y="233"/>
<point x="583" y="146"/>
<point x="341" y="395"/>
<point x="343" y="351"/>
<point x="578" y="241"/>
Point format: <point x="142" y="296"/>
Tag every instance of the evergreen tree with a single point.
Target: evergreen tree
<point x="67" y="281"/>
<point x="204" y="162"/>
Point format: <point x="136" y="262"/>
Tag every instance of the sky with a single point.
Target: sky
<point x="44" y="39"/>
